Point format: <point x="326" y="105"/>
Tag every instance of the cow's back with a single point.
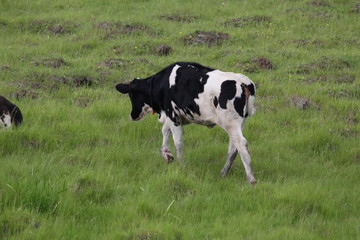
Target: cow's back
<point x="223" y="92"/>
<point x="191" y="93"/>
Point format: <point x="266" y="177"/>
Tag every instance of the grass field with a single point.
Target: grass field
<point x="78" y="168"/>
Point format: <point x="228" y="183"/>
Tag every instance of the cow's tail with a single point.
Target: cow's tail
<point x="251" y="105"/>
<point x="250" y="94"/>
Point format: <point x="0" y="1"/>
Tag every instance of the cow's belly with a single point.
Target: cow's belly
<point x="197" y="120"/>
<point x="207" y="117"/>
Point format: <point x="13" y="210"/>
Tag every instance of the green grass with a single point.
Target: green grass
<point x="78" y="168"/>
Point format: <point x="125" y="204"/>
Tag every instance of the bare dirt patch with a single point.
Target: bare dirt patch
<point x="322" y="78"/>
<point x="73" y="81"/>
<point x="141" y="49"/>
<point x="163" y="49"/>
<point x="243" y="21"/>
<point x="353" y="92"/>
<point x="208" y="38"/>
<point x="352" y="42"/>
<point x="50" y="62"/>
<point x="255" y="65"/>
<point x="345" y="132"/>
<point x="56" y="27"/>
<point x="328" y="63"/>
<point x="4" y="67"/>
<point x="31" y="81"/>
<point x="319" y="3"/>
<point x="149" y="236"/>
<point x="356" y="8"/>
<point x="112" y="63"/>
<point x="351" y="117"/>
<point x="262" y="62"/>
<point x="23" y="93"/>
<point x="307" y="42"/>
<point x="13" y="223"/>
<point x="345" y="78"/>
<point x="30" y="85"/>
<point x="80" y="81"/>
<point x="300" y="102"/>
<point x="178" y="17"/>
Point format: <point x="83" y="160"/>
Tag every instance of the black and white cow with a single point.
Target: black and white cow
<point x="9" y="113"/>
<point x="187" y="92"/>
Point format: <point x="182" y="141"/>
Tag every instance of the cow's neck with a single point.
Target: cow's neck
<point x="150" y="84"/>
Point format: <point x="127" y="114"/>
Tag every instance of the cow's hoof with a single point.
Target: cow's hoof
<point x="167" y="155"/>
<point x="223" y="173"/>
<point x="251" y="179"/>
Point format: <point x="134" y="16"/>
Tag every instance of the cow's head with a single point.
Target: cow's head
<point x="139" y="93"/>
<point x="5" y="120"/>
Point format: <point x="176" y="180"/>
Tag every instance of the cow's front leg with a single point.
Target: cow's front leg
<point x="177" y="134"/>
<point x="165" y="149"/>
<point x="232" y="151"/>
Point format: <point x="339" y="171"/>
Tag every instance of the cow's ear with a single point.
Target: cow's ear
<point x="123" y="87"/>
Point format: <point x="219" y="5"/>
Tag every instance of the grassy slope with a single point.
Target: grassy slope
<point x="79" y="169"/>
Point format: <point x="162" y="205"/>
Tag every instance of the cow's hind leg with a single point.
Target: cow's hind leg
<point x="165" y="149"/>
<point x="232" y="151"/>
<point x="241" y="145"/>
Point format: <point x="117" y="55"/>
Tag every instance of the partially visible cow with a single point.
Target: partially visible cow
<point x="9" y="113"/>
<point x="187" y="92"/>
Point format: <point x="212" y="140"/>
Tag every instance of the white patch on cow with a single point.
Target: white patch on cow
<point x="173" y="75"/>
<point x="173" y="104"/>
<point x="208" y="112"/>
<point x="174" y="110"/>
<point x="5" y="121"/>
<point x="223" y="76"/>
<point x="145" y="110"/>
<point x="162" y="117"/>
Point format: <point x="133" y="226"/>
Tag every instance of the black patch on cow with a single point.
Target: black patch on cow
<point x="139" y="93"/>
<point x="7" y="107"/>
<point x="189" y="83"/>
<point x="251" y="88"/>
<point x="239" y="104"/>
<point x="216" y="102"/>
<point x="228" y="91"/>
<point x="123" y="87"/>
